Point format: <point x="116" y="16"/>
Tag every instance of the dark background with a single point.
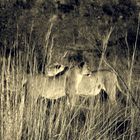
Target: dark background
<point x="80" y="27"/>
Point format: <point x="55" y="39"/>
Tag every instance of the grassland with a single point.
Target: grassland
<point x="33" y="36"/>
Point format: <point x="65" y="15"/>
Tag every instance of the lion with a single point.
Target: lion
<point x="73" y="79"/>
<point x="92" y="84"/>
<point x="54" y="86"/>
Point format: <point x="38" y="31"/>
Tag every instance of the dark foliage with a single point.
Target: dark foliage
<point x="23" y="21"/>
<point x="78" y="58"/>
<point x="65" y="8"/>
<point x="23" y="4"/>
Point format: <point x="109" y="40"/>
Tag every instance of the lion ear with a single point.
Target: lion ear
<point x="58" y="66"/>
<point x="81" y="64"/>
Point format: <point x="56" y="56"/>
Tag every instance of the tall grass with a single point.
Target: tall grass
<point x="91" y="119"/>
<point x="22" y="118"/>
<point x="12" y="96"/>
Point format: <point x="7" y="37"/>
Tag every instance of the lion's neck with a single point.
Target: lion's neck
<point x="78" y="78"/>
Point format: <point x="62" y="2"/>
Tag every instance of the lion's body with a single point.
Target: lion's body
<point x="74" y="81"/>
<point x="48" y="87"/>
<point x="97" y="81"/>
<point x="54" y="87"/>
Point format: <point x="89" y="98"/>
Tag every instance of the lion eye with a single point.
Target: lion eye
<point x="99" y="86"/>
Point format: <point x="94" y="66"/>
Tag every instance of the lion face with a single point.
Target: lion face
<point x="84" y="69"/>
<point x="54" y="69"/>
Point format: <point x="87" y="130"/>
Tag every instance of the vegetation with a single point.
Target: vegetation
<point x="35" y="33"/>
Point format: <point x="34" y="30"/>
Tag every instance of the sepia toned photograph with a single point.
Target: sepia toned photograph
<point x="69" y="69"/>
